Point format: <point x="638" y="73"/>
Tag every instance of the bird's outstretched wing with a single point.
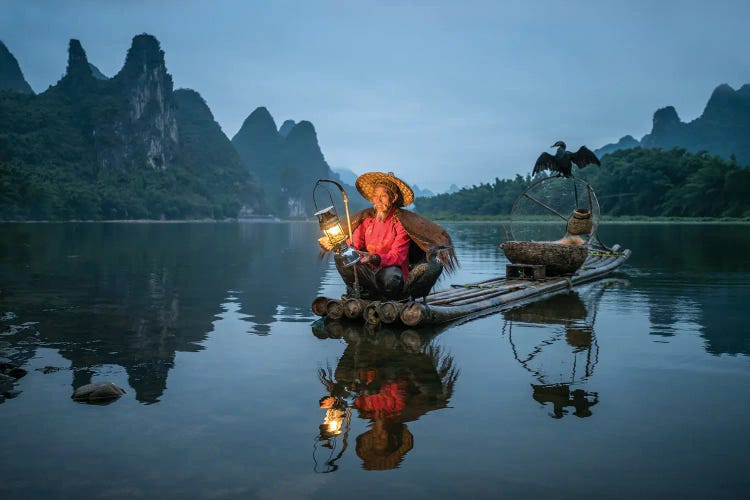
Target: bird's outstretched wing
<point x="545" y="162"/>
<point x="584" y="156"/>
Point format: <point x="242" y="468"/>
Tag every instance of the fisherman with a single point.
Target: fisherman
<point x="389" y="239"/>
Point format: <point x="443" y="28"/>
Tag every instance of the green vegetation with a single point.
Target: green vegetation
<point x="128" y="147"/>
<point x="48" y="168"/>
<point x="671" y="183"/>
<point x="485" y="200"/>
<point x="630" y="183"/>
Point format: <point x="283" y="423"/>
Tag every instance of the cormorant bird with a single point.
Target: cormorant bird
<point x="563" y="160"/>
<point x="423" y="277"/>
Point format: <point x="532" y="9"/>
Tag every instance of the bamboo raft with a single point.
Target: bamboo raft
<point x="469" y="300"/>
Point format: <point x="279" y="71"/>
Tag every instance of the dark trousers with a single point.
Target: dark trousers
<point x="384" y="283"/>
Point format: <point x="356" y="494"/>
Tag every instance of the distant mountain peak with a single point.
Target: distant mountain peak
<point x="726" y="104"/>
<point x="258" y="126"/>
<point x="303" y="127"/>
<point x="146" y="126"/>
<point x="666" y="115"/>
<point x="286" y="127"/>
<point x="625" y="142"/>
<point x="724" y="87"/>
<point x="303" y="135"/>
<point x="721" y="96"/>
<point x="11" y="76"/>
<point x="286" y="161"/>
<point x="144" y="54"/>
<point x="722" y="128"/>
<point x="78" y="70"/>
<point x="261" y="111"/>
<point x="261" y="115"/>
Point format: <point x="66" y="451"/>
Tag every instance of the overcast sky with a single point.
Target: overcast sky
<point x="439" y="92"/>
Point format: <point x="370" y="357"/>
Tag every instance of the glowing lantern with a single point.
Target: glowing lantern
<point x="331" y="225"/>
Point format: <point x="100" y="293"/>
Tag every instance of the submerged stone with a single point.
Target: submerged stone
<point x="98" y="392"/>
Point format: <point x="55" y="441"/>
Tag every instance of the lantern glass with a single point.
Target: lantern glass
<point x="335" y="234"/>
<point x="331" y="225"/>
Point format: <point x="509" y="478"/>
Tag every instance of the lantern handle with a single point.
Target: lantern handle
<point x="315" y="201"/>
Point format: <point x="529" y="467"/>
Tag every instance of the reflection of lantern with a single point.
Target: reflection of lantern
<point x="337" y="420"/>
<point x="332" y="423"/>
<point x="331" y="225"/>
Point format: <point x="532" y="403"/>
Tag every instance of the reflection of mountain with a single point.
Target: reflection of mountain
<point x="387" y="377"/>
<point x="564" y="353"/>
<point x="134" y="294"/>
<point x="695" y="273"/>
<point x="282" y="272"/>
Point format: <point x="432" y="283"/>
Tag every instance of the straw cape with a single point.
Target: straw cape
<point x="424" y="235"/>
<point x="367" y="182"/>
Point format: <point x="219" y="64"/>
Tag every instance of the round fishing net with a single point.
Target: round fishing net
<point x="556" y="207"/>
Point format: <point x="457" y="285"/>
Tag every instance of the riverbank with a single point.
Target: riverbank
<point x="464" y="218"/>
<point x="269" y="218"/>
<point x="608" y="219"/>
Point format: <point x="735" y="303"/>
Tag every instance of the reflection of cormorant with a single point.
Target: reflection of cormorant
<point x="572" y="348"/>
<point x="389" y="378"/>
<point x="563" y="160"/>
<point x="561" y="397"/>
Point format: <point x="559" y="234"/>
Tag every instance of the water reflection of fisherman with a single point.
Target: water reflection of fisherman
<point x="380" y="400"/>
<point x="388" y="440"/>
<point x="389" y="383"/>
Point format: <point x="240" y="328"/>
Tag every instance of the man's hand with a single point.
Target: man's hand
<point x="369" y="258"/>
<point x="325" y="243"/>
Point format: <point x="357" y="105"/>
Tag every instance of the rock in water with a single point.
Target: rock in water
<point x="98" y="392"/>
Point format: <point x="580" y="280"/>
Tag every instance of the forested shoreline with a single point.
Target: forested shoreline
<point x="630" y="183"/>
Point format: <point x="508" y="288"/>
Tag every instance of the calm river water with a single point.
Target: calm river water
<point x="634" y="386"/>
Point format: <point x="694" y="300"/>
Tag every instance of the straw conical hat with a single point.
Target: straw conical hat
<point x="366" y="186"/>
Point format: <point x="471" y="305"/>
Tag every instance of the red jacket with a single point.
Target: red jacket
<point x="388" y="239"/>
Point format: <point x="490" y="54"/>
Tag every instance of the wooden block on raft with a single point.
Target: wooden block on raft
<point x="525" y="271"/>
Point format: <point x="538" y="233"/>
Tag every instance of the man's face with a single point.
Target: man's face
<point x="382" y="200"/>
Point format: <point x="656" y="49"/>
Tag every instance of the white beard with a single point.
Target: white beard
<point x="381" y="215"/>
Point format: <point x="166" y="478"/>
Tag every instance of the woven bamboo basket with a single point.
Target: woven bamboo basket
<point x="580" y="222"/>
<point x="558" y="259"/>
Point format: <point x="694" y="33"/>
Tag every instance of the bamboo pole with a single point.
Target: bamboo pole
<point x="335" y="309"/>
<point x="388" y="312"/>
<point x="459" y="289"/>
<point x="475" y="293"/>
<point x="481" y="298"/>
<point x="353" y="308"/>
<point x="416" y="313"/>
<point x="467" y="289"/>
<point x="371" y="314"/>
<point x="319" y="306"/>
<point x="479" y="283"/>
